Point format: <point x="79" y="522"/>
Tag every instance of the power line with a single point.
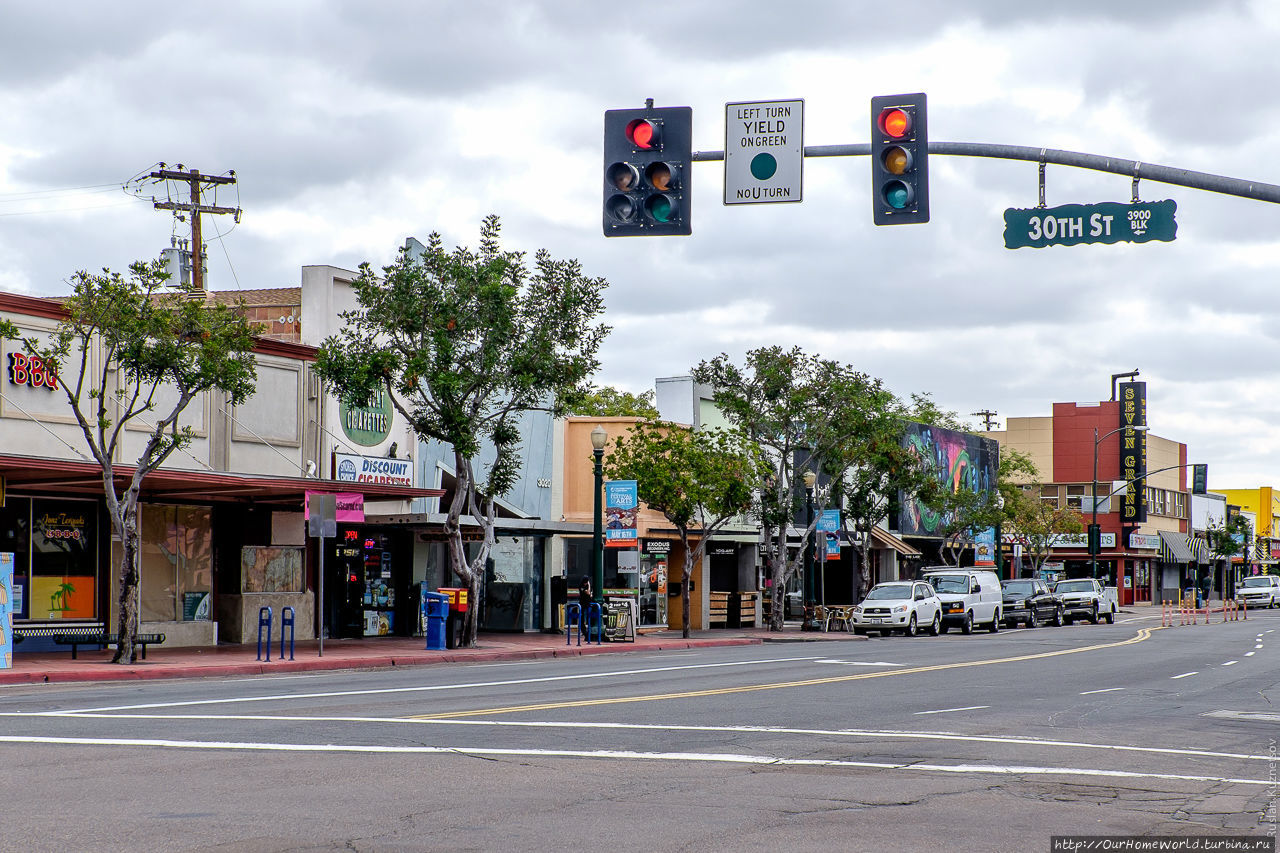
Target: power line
<point x="63" y="209"/>
<point x="100" y="187"/>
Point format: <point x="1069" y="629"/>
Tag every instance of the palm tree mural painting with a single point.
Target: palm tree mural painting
<point x="60" y="601"/>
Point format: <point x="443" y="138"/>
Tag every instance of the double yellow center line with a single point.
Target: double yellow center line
<point x="1143" y="634"/>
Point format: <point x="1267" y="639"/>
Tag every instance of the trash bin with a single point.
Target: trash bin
<point x="436" y="605"/>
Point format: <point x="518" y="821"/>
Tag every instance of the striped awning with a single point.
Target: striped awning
<point x="1200" y="549"/>
<point x="1175" y="548"/>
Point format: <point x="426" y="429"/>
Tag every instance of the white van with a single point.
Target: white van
<point x="969" y="597"/>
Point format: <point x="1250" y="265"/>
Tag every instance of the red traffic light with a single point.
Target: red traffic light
<point x="644" y="134"/>
<point x="894" y="123"/>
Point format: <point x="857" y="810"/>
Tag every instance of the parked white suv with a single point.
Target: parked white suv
<point x="969" y="597"/>
<point x="1259" y="591"/>
<point x="904" y="606"/>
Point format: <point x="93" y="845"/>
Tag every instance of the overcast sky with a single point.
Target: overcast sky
<point x="351" y="126"/>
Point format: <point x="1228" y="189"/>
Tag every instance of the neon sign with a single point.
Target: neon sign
<point x="31" y="370"/>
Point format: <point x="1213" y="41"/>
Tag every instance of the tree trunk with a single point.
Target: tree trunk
<point x="684" y="589"/>
<point x="864" y="568"/>
<point x="127" y="624"/>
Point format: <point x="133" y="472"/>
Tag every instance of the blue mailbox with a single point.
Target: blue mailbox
<point x="435" y="607"/>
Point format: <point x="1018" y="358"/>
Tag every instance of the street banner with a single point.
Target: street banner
<point x="984" y="547"/>
<point x="829" y="521"/>
<point x="621" y="506"/>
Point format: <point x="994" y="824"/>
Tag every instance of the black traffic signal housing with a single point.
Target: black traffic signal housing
<point x="1095" y="540"/>
<point x="648" y="158"/>
<point x="899" y="159"/>
<point x="1199" y="479"/>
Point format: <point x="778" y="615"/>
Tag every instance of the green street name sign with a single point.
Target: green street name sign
<point x="1106" y="222"/>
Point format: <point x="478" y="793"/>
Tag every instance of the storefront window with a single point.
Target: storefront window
<point x="513" y="588"/>
<point x="15" y="538"/>
<point x="176" y="562"/>
<point x="64" y="560"/>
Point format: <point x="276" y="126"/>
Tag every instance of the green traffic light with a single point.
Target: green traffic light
<point x="659" y="207"/>
<point x="897" y="195"/>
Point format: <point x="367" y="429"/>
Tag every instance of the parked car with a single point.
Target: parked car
<point x="969" y="597"/>
<point x="898" y="606"/>
<point x="1085" y="598"/>
<point x="1031" y="603"/>
<point x="1259" y="591"/>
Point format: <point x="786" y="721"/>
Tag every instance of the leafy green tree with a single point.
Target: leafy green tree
<point x="462" y="342"/>
<point x="879" y="470"/>
<point x="159" y="351"/>
<point x="697" y="480"/>
<point x="804" y="413"/>
<point x="1231" y="537"/>
<point x="1034" y="523"/>
<point x="607" y="401"/>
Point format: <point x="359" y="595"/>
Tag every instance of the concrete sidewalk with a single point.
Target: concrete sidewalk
<point x="370" y="653"/>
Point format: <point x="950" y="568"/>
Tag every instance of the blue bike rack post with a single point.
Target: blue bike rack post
<point x="595" y="621"/>
<point x="286" y="622"/>
<point x="569" y="612"/>
<point x="264" y="621"/>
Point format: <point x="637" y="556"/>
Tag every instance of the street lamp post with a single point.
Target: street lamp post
<point x="810" y="589"/>
<point x="1096" y="544"/>
<point x="598" y="440"/>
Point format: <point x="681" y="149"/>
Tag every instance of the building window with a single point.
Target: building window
<point x="176" y="562"/>
<point x="64" y="561"/>
<point x="1049" y="495"/>
<point x="1076" y="497"/>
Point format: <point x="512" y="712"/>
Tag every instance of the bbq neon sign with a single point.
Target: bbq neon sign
<point x="31" y="370"/>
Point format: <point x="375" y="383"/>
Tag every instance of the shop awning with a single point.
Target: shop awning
<point x="1175" y="548"/>
<point x="1199" y="549"/>
<point x="36" y="475"/>
<point x="885" y="539"/>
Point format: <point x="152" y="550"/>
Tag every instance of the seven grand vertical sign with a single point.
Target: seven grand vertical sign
<point x="763" y="151"/>
<point x="1133" y="452"/>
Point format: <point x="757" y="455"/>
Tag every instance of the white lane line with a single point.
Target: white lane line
<point x="889" y="734"/>
<point x="1184" y="675"/>
<point x="1231" y="663"/>
<point x="1103" y="690"/>
<point x="1245" y="715"/>
<point x="1258" y="646"/>
<point x="859" y="662"/>
<point x="434" y="687"/>
<point x="1249" y="654"/>
<point x="628" y="755"/>
<point x="949" y="710"/>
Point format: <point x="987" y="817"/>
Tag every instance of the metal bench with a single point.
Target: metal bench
<point x="75" y="640"/>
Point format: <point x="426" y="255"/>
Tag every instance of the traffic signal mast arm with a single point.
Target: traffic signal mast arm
<point x="1096" y="162"/>
<point x="1128" y="483"/>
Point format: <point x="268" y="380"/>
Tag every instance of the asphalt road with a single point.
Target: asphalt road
<point x="983" y="742"/>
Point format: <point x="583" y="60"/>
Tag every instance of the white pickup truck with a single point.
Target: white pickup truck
<point x="1088" y="599"/>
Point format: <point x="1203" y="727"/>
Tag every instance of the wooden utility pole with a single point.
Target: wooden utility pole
<point x="194" y="181"/>
<point x="987" y="416"/>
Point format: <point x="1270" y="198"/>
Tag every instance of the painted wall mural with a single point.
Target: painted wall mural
<point x="962" y="461"/>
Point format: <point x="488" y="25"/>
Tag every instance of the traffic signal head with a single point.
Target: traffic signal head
<point x="648" y="155"/>
<point x="1199" y="479"/>
<point x="899" y="159"/>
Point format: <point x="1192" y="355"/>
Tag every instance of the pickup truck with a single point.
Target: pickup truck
<point x="1086" y="598"/>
